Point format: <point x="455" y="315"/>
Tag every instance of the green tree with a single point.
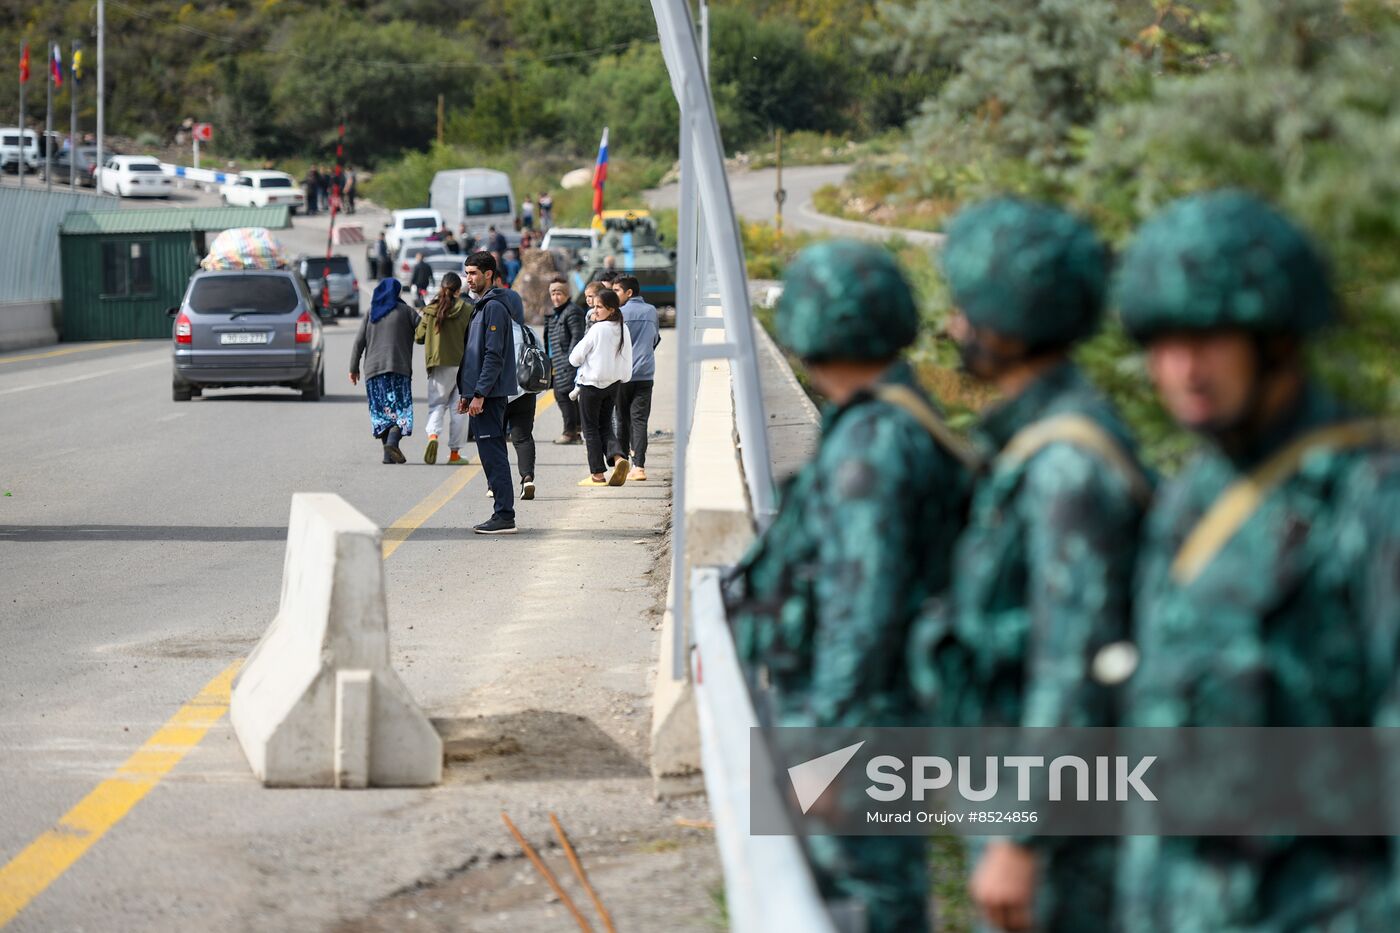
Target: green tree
<point x="779" y="82"/>
<point x="1022" y="75"/>
<point x="383" y="81"/>
<point x="1303" y="106"/>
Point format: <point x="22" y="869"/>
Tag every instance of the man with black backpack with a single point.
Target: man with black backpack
<point x="486" y="382"/>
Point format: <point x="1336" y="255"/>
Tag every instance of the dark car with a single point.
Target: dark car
<point x="254" y="327"/>
<point x="344" y="297"/>
<point x="86" y="160"/>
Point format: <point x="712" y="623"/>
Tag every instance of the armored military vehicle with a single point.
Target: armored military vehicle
<point x="631" y="245"/>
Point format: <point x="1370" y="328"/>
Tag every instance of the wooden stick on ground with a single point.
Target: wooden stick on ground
<point x="548" y="875"/>
<point x="582" y="875"/>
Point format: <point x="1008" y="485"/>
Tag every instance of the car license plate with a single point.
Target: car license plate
<point x="244" y="338"/>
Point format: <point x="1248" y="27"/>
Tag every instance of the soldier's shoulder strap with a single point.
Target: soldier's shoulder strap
<point x="1242" y="498"/>
<point x="1082" y="432"/>
<point x="903" y="397"/>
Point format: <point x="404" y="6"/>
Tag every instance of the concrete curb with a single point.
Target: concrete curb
<point x="317" y="704"/>
<point x="719" y="528"/>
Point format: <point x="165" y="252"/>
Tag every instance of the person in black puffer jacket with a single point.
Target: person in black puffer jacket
<point x="563" y="329"/>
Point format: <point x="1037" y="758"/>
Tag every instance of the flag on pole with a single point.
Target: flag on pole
<point x="77" y="67"/>
<point x="600" y="177"/>
<point x="24" y="63"/>
<point x="56" y="66"/>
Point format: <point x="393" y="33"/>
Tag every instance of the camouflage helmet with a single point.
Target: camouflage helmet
<point x="1223" y="259"/>
<point x="1027" y="271"/>
<point x="844" y="300"/>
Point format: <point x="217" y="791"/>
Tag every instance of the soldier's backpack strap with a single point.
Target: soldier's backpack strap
<point x="902" y="396"/>
<point x="1242" y="498"/>
<point x="1085" y="433"/>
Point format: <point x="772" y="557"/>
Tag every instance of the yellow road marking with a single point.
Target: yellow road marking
<point x="50" y="855"/>
<point x="413" y="519"/>
<point x="44" y="860"/>
<point x="64" y="351"/>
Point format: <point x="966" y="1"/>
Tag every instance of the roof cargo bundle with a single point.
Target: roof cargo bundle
<point x="245" y="248"/>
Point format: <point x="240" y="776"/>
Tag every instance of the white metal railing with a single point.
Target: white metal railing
<point x="767" y="882"/>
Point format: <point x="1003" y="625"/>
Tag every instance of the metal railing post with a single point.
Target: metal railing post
<point x="687" y="291"/>
<point x="679" y="48"/>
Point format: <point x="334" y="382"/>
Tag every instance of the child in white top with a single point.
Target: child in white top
<point x="604" y="360"/>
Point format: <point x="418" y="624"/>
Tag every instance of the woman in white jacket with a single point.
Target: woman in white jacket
<point x="603" y="359"/>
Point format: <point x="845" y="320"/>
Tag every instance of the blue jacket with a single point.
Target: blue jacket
<point x="642" y="322"/>
<point x="488" y="365"/>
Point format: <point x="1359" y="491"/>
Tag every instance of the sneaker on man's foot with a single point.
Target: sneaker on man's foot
<point x="527" y="489"/>
<point x="638" y="474"/>
<point x="430" y="452"/>
<point x="566" y="438"/>
<point x="618" y="476"/>
<point x="496" y="526"/>
<point x="456" y="457"/>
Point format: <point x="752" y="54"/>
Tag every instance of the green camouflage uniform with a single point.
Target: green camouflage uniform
<point x="1292" y="621"/>
<point x="1043" y="574"/>
<point x="821" y="605"/>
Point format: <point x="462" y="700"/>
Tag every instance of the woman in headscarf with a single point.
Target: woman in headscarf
<point x="386" y="344"/>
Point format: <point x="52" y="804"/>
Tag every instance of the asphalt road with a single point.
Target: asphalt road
<point x="141" y="547"/>
<point x="752" y="193"/>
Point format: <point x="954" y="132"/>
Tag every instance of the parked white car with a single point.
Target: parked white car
<point x="263" y="189"/>
<point x="419" y="222"/>
<point x="135" y="177"/>
<point x="571" y="240"/>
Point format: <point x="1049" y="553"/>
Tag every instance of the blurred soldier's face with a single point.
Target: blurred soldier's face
<point x="1206" y="381"/>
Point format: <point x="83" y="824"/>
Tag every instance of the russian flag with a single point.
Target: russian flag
<point x="600" y="174"/>
<point x="56" y="66"/>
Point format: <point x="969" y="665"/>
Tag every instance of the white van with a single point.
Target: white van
<point x="481" y="198"/>
<point x="10" y="150"/>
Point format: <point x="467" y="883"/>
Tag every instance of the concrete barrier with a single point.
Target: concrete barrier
<point x="718" y="530"/>
<point x="317" y="704"/>
<point x="25" y="324"/>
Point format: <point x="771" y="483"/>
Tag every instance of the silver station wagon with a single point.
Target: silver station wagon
<point x="255" y="327"/>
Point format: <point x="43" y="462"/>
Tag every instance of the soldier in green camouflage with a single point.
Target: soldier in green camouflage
<point x="1269" y="583"/>
<point x="1043" y="573"/>
<point x="822" y="603"/>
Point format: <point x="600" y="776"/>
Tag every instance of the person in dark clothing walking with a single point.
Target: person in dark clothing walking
<point x="563" y="329"/>
<point x="520" y="412"/>
<point x="421" y="279"/>
<point x="486" y="381"/>
<point x="383" y="265"/>
<point x="385" y="342"/>
<point x="311" y="188"/>
<point x="323" y="187"/>
<point x="496" y="241"/>
<point x="634" y="395"/>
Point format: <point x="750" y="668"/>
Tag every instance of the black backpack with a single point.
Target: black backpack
<point x="534" y="369"/>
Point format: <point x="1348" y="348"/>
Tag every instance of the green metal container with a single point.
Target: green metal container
<point x="123" y="269"/>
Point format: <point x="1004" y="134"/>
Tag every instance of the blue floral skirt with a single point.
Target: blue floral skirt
<point x="390" y="403"/>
